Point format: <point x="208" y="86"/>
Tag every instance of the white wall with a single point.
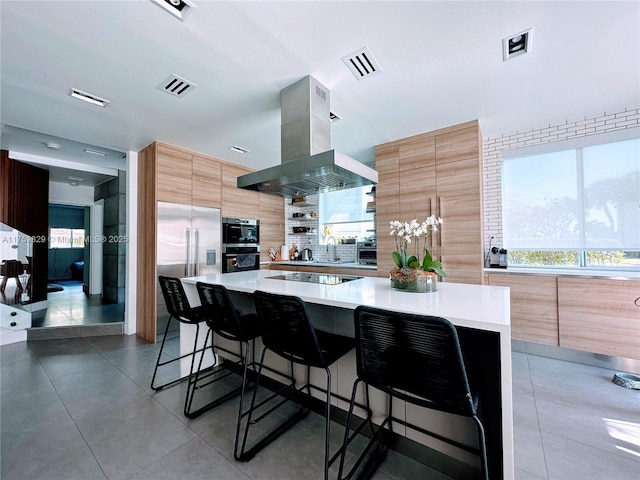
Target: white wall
<point x="612" y="120"/>
<point x="66" y="194"/>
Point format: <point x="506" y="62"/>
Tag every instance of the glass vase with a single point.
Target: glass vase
<point x="424" y="282"/>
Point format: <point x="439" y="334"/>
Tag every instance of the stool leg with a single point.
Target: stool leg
<point x="155" y="371"/>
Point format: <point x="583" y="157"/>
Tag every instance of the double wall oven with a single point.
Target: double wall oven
<point x="240" y="244"/>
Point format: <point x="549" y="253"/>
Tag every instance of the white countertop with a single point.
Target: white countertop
<point x="475" y="306"/>
<point x="570" y="272"/>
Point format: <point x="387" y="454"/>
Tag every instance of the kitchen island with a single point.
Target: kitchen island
<point x="480" y="313"/>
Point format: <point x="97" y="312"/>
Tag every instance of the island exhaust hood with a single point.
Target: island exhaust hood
<point x="308" y="165"/>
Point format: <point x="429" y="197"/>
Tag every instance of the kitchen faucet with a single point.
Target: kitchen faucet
<point x="335" y="249"/>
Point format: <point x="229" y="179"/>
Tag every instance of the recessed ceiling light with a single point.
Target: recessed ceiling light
<point x="179" y="8"/>
<point x="73" y="183"/>
<point x="361" y="63"/>
<point x="87" y="97"/>
<point x="95" y="152"/>
<point x="516" y="44"/>
<point x="53" y="146"/>
<point x="238" y="149"/>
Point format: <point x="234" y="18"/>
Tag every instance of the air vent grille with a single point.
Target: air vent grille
<point x="177" y="86"/>
<point x="362" y="64"/>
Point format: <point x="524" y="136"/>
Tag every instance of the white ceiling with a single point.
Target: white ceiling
<point x="441" y="65"/>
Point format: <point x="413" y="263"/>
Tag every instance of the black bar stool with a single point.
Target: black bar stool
<point x="224" y="320"/>
<point x="416" y="359"/>
<point x="287" y="331"/>
<point x="180" y="310"/>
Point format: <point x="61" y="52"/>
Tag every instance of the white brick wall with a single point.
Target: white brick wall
<point x="617" y="119"/>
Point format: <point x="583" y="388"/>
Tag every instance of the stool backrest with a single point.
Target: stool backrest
<point x="221" y="315"/>
<point x="287" y="328"/>
<point x="413" y="357"/>
<point x="174" y="296"/>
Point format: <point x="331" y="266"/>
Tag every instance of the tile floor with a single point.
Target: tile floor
<point x="72" y="307"/>
<point x="82" y="408"/>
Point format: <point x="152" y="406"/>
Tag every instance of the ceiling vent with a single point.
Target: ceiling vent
<point x="361" y="63"/>
<point x="179" y="8"/>
<point x="516" y="44"/>
<point x="177" y="86"/>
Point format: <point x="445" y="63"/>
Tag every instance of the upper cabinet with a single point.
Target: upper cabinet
<point x="183" y="177"/>
<point x="435" y="173"/>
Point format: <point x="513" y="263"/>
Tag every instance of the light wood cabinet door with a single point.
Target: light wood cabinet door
<point x="458" y="203"/>
<point x="237" y="202"/>
<point x="174" y="171"/>
<point x="387" y="209"/>
<point x="534" y="306"/>
<point x="600" y="316"/>
<point x="417" y="154"/>
<point x="271" y="224"/>
<point x="206" y="188"/>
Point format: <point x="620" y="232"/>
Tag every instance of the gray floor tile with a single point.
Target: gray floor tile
<point x="578" y="385"/>
<point x="618" y="435"/>
<point x="524" y="410"/>
<point x="522" y="475"/>
<point x="568" y="460"/>
<point x="521" y="377"/>
<point x="131" y="435"/>
<point x="53" y="451"/>
<point x="529" y="452"/>
<point x="84" y="393"/>
<point x="194" y="460"/>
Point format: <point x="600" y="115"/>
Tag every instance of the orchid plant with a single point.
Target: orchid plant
<point x="406" y="233"/>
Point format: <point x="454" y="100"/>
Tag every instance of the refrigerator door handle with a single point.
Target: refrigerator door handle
<point x="187" y="263"/>
<point x="196" y="252"/>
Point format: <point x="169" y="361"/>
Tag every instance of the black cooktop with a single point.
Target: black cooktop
<point x="323" y="278"/>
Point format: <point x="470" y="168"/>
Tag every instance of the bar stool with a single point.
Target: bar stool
<point x="416" y="359"/>
<point x="287" y="331"/>
<point x="224" y="320"/>
<point x="180" y="310"/>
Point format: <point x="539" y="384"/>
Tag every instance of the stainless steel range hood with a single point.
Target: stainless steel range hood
<point x="308" y="165"/>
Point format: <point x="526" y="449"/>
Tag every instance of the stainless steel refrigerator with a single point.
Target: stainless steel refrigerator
<point x="189" y="242"/>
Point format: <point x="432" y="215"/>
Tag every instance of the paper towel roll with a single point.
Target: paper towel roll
<point x="284" y="252"/>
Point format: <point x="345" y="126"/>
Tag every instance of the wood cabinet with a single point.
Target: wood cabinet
<point x="600" y="316"/>
<point x="534" y="306"/>
<point x="173" y="174"/>
<point x="435" y="173"/>
<point x="24" y="205"/>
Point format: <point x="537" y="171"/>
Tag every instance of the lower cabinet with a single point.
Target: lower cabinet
<point x="534" y="306"/>
<point x="593" y="315"/>
<point x="600" y="316"/>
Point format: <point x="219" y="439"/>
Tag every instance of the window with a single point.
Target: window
<point x="344" y="214"/>
<point x="66" y="238"/>
<point x="574" y="208"/>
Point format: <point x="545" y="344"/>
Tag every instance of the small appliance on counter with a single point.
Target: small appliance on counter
<point x="497" y="257"/>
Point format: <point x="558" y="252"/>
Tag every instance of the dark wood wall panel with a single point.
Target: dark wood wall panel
<point x="24" y="205"/>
